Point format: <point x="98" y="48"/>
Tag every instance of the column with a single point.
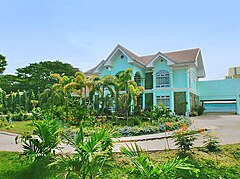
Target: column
<point x="143" y="95"/>
<point x="188" y="103"/>
<point x="172" y="92"/>
<point x="154" y="87"/>
<point x="172" y="101"/>
<point x="238" y="104"/>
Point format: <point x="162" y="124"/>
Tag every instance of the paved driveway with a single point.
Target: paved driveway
<point x="226" y="126"/>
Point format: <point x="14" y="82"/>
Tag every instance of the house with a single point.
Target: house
<point x="170" y="78"/>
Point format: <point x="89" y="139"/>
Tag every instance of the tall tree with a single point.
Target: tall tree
<point x="10" y="83"/>
<point x="3" y="63"/>
<point x="37" y="75"/>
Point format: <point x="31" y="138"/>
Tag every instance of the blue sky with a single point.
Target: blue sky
<point x="84" y="32"/>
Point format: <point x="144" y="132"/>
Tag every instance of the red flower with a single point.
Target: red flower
<point x="184" y="127"/>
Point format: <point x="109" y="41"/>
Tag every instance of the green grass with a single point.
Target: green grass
<point x="17" y="127"/>
<point x="14" y="166"/>
<point x="225" y="164"/>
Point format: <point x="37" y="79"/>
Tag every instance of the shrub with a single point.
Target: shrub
<point x="145" y="168"/>
<point x="44" y="140"/>
<point x="184" y="139"/>
<point x="197" y="110"/>
<point x="211" y="142"/>
<point x="92" y="154"/>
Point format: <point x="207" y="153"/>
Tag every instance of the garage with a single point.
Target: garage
<point x="220" y="106"/>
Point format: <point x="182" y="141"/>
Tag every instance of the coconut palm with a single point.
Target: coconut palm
<point x="63" y="88"/>
<point x="134" y="92"/>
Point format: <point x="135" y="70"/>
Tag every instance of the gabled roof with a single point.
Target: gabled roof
<point x="93" y="70"/>
<point x="175" y="57"/>
<point x="181" y="56"/>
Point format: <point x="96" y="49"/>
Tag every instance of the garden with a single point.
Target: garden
<point x="55" y="107"/>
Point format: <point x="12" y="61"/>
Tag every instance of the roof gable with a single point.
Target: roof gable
<point x="175" y="57"/>
<point x="156" y="57"/>
<point x="183" y="55"/>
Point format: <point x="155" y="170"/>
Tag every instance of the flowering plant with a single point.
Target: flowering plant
<point x="184" y="139"/>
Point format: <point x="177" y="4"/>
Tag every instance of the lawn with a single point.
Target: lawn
<point x="224" y="164"/>
<point x="17" y="127"/>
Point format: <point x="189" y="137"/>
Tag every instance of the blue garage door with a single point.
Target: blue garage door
<point x="220" y="107"/>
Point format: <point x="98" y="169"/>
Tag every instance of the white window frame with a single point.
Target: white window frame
<point x="165" y="100"/>
<point x="162" y="79"/>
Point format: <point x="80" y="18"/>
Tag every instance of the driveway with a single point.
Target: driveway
<point x="226" y="126"/>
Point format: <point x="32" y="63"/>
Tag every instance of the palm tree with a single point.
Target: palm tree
<point x="107" y="85"/>
<point x="122" y="84"/>
<point x="134" y="92"/>
<point x="147" y="170"/>
<point x="63" y="87"/>
<point x="44" y="141"/>
<point x="92" y="154"/>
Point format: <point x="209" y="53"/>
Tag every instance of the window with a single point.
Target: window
<point x="122" y="56"/>
<point x="137" y="79"/>
<point x="162" y="79"/>
<point x="165" y="100"/>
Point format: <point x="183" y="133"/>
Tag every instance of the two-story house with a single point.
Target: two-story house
<point x="169" y="78"/>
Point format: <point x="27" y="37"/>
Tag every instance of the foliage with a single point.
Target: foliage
<point x="35" y="76"/>
<point x="184" y="139"/>
<point x="144" y="167"/>
<point x="158" y="112"/>
<point x="21" y="116"/>
<point x="211" y="142"/>
<point x="44" y="140"/>
<point x="180" y="103"/>
<point x="197" y="110"/>
<point x="224" y="164"/>
<point x="17" y="102"/>
<point x="17" y="127"/>
<point x="3" y="63"/>
<point x="92" y="155"/>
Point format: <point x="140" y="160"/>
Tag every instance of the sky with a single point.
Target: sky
<point x="83" y="33"/>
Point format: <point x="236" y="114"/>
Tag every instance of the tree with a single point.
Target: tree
<point x="3" y="64"/>
<point x="37" y="75"/>
<point x="10" y="83"/>
<point x="63" y="89"/>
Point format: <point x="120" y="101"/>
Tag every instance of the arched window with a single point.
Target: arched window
<point x="137" y="79"/>
<point x="162" y="79"/>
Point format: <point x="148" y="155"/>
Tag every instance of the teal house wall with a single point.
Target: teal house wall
<point x="221" y="90"/>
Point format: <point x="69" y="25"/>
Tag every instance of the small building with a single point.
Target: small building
<point x="233" y="72"/>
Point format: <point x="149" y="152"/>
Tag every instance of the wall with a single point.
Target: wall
<point x="118" y="65"/>
<point x="179" y="78"/>
<point x="228" y="89"/>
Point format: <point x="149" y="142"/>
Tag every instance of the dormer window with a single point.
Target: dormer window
<point x="162" y="79"/>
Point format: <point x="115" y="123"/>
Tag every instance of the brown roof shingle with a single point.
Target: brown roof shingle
<point x="183" y="55"/>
